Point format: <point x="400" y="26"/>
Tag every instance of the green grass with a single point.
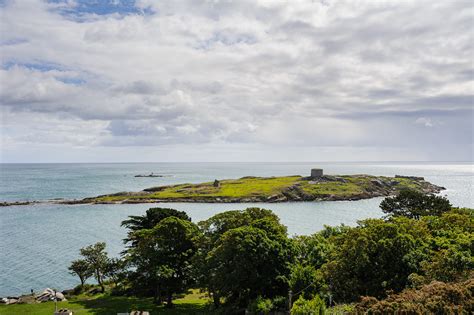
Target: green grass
<point x="193" y="303"/>
<point x="332" y="188"/>
<point x="229" y="188"/>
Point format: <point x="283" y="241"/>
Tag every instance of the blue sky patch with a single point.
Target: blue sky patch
<point x="100" y="7"/>
<point x="38" y="66"/>
<point x="45" y="67"/>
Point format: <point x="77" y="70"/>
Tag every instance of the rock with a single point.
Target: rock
<point x="272" y="197"/>
<point x="410" y="177"/>
<point x="9" y="300"/>
<point x="377" y="182"/>
<point x="340" y="179"/>
<point x="49" y="295"/>
<point x="60" y="296"/>
<point x="15" y="203"/>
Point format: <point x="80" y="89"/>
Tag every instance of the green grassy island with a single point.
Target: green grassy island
<point x="273" y="189"/>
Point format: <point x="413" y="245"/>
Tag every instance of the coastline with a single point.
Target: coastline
<point x="252" y="189"/>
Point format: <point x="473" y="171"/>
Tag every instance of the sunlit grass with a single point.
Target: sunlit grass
<point x="192" y="303"/>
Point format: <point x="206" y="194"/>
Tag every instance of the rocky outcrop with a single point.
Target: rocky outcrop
<point x="10" y="300"/>
<point x="50" y="295"/>
<point x="16" y="203"/>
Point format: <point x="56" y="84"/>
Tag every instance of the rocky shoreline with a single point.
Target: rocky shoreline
<point x="45" y="296"/>
<point x="375" y="187"/>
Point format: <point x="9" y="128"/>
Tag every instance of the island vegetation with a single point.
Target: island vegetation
<point x="416" y="260"/>
<point x="273" y="189"/>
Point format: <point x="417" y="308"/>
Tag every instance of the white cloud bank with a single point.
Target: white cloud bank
<point x="237" y="81"/>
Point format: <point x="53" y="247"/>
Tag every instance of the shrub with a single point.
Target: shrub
<point x="261" y="306"/>
<point x="314" y="306"/>
<point x="434" y="298"/>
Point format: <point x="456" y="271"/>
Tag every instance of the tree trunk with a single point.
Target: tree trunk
<point x="99" y="280"/>
<point x="216" y="299"/>
<point x="169" y="299"/>
<point x="82" y="281"/>
<point x="157" y="298"/>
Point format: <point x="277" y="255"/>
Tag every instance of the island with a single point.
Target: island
<point x="149" y="175"/>
<point x="316" y="187"/>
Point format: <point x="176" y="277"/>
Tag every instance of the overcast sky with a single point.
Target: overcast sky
<point x="110" y="81"/>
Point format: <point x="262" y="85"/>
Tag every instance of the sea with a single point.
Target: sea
<point x="38" y="242"/>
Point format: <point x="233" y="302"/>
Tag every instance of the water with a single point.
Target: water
<point x="38" y="242"/>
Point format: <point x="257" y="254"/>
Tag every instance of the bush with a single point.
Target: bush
<point x="434" y="298"/>
<point x="314" y="306"/>
<point x="81" y="289"/>
<point x="261" y="306"/>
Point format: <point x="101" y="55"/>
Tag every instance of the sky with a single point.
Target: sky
<point x="243" y="81"/>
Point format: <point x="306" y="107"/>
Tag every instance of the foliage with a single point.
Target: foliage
<point x="151" y="218"/>
<point x="315" y="306"/>
<point x="115" y="269"/>
<point x="245" y="261"/>
<point x="163" y="255"/>
<point x="244" y="254"/>
<point x="81" y="268"/>
<point x="375" y="257"/>
<point x="305" y="280"/>
<point x="261" y="306"/>
<point x="341" y="309"/>
<point x="414" y="204"/>
<point x="433" y="298"/>
<point x="96" y="257"/>
<point x="453" y="245"/>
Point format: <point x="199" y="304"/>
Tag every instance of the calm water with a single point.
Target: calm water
<point x="38" y="242"/>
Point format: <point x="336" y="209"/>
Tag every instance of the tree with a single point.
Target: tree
<point x="96" y="257"/>
<point x="163" y="255"/>
<point x="413" y="204"/>
<point x="114" y="269"/>
<point x="230" y="263"/>
<point x="81" y="269"/>
<point x="375" y="257"/>
<point x="151" y="218"/>
<point x="216" y="226"/>
<point x="305" y="280"/>
<point x="246" y="263"/>
<point x="452" y="244"/>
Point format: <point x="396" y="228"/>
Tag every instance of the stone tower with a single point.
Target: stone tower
<point x="316" y="172"/>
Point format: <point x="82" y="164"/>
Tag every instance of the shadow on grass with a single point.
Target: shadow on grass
<point x="111" y="305"/>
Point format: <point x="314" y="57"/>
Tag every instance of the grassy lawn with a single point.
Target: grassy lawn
<point x="193" y="303"/>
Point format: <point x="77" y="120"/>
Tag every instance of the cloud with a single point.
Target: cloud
<point x="321" y="74"/>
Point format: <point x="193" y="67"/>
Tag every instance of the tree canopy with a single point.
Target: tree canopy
<point x="413" y="204"/>
<point x="245" y="260"/>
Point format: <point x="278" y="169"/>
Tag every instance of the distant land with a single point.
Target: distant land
<point x="271" y="189"/>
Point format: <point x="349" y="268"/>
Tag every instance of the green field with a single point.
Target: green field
<point x="193" y="303"/>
